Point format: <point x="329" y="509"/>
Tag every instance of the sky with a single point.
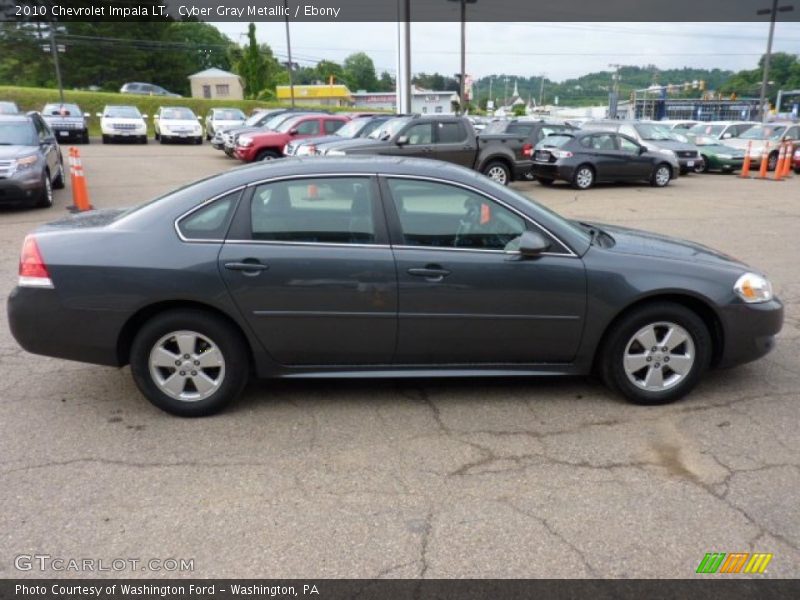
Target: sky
<point x="558" y="50"/>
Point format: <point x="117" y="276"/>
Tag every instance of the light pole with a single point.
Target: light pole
<point x="403" y="84"/>
<point x="462" y="79"/>
<point x="773" y="13"/>
<point x="289" y="52"/>
<point x="613" y="99"/>
<point x="54" y="52"/>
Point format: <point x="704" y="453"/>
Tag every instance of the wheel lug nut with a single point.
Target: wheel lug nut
<point x="649" y="359"/>
<point x="186" y="356"/>
<point x="658" y="365"/>
<point x="654" y="349"/>
<point x="183" y="373"/>
<point x="194" y="373"/>
<point x="666" y="359"/>
<point x="177" y="363"/>
<point x="197" y="362"/>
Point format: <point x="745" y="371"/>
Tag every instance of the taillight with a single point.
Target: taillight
<point x="32" y="270"/>
<point x="561" y="153"/>
<point x="527" y="150"/>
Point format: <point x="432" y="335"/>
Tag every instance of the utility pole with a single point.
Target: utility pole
<point x="541" y="90"/>
<point x="289" y="52"/>
<point x="403" y="85"/>
<point x="613" y="98"/>
<point x="505" y="92"/>
<point x="773" y="13"/>
<point x="54" y="52"/>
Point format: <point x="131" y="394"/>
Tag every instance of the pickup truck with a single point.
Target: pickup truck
<point x="503" y="157"/>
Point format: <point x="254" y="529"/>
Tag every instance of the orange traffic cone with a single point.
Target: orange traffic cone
<point x="787" y="166"/>
<point x="745" y="174"/>
<point x="762" y="172"/>
<point x="72" y="167"/>
<point x="778" y="174"/>
<point x="80" y="194"/>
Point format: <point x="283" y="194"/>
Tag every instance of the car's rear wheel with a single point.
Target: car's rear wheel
<point x="656" y="353"/>
<point x="189" y="362"/>
<point x="772" y="161"/>
<point x="198" y="140"/>
<point x="45" y="199"/>
<point x="545" y="180"/>
<point x="105" y="139"/>
<point x="498" y="172"/>
<point x="583" y="178"/>
<point x="661" y="175"/>
<point x="267" y="155"/>
<point x="702" y="165"/>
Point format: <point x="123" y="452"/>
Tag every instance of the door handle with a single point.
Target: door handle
<point x="430" y="272"/>
<point x="248" y="268"/>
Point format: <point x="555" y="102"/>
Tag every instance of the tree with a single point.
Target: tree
<point x="359" y="72"/>
<point x="326" y="69"/>
<point x="253" y="67"/>
<point x="386" y="83"/>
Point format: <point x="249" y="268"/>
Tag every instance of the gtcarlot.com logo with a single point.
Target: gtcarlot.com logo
<point x="47" y="562"/>
<point x="734" y="562"/>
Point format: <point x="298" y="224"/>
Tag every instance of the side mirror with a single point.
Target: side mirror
<point x="642" y="150"/>
<point x="532" y="244"/>
<point x="402" y="140"/>
<point x="293" y="131"/>
<point x="727" y="136"/>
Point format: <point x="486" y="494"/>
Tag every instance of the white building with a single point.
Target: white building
<point x="426" y="102"/>
<point x="217" y="84"/>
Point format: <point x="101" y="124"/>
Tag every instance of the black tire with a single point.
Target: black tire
<point x="162" y="140"/>
<point x="656" y="179"/>
<point x="105" y="139"/>
<point x="545" y="181"/>
<point x="58" y="182"/>
<point x="498" y="172"/>
<point x="199" y="141"/>
<point x="702" y="167"/>
<point x="578" y="177"/>
<point x="267" y="155"/>
<point x="797" y="170"/>
<point x="85" y="138"/>
<point x="156" y="136"/>
<point x="612" y="352"/>
<point x="226" y="338"/>
<point x="45" y="197"/>
<point x="772" y="161"/>
<point x="143" y="139"/>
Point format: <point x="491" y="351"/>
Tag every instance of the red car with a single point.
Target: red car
<point x="796" y="161"/>
<point x="267" y="145"/>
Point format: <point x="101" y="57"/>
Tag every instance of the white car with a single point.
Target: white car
<point x="123" y="122"/>
<point x="177" y="123"/>
<point x="220" y="119"/>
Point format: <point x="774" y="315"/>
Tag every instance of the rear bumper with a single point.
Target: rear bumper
<point x="41" y="324"/>
<point x="749" y="331"/>
<point x="552" y="171"/>
<point x="521" y="168"/>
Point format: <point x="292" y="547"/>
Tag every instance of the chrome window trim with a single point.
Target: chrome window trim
<point x="570" y="252"/>
<point x="194" y="209"/>
<point x="289" y="243"/>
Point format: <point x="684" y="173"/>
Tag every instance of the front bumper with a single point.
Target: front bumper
<point x="725" y="164"/>
<point x="18" y="189"/>
<point x="749" y="331"/>
<point x="70" y="133"/>
<point x="246" y="154"/>
<point x="41" y="324"/>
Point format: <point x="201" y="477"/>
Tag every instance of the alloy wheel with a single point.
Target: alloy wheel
<point x="584" y="177"/>
<point x="659" y="356"/>
<point x="498" y="174"/>
<point x="187" y="366"/>
<point x="662" y="176"/>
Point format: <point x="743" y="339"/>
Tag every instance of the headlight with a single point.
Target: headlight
<point x="26" y="162"/>
<point x="244" y="141"/>
<point x="666" y="151"/>
<point x="725" y="156"/>
<point x="335" y="153"/>
<point x="306" y="150"/>
<point x="753" y="288"/>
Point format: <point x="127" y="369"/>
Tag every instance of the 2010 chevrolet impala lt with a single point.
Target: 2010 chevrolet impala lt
<point x="378" y="267"/>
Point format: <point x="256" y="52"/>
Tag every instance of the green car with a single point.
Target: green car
<point x="717" y="156"/>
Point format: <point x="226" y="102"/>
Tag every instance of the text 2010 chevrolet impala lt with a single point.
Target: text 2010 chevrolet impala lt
<point x="378" y="267"/>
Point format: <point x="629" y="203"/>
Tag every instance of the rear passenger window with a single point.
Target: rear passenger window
<point x="332" y="126"/>
<point x="308" y="128"/>
<point x="211" y="221"/>
<point x="323" y="210"/>
<point x="451" y="133"/>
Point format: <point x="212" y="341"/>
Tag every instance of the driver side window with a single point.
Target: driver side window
<point x="445" y="216"/>
<point x="421" y="133"/>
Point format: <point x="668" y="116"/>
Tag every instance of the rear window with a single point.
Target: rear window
<point x="62" y="110"/>
<point x="554" y="141"/>
<point x="229" y="115"/>
<point x="451" y="133"/>
<point x="211" y="221"/>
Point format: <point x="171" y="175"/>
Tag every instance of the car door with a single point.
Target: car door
<point x="608" y="160"/>
<point x="452" y="143"/>
<point x="308" y="128"/>
<point x="635" y="165"/>
<point x="464" y="296"/>
<point x="419" y="143"/>
<point x="48" y="145"/>
<point x="307" y="262"/>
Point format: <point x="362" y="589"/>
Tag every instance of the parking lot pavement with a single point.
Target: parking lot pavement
<point x="445" y="478"/>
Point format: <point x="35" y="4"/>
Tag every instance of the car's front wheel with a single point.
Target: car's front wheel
<point x="189" y="362"/>
<point x="267" y="155"/>
<point x="661" y="175"/>
<point x="45" y="199"/>
<point x="701" y="166"/>
<point x="656" y="353"/>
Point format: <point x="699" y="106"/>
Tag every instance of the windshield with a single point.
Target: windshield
<point x="61" y="110"/>
<point x="351" y="129"/>
<point x="554" y="141"/>
<point x="764" y="132"/>
<point x="653" y="132"/>
<point x="8" y="108"/>
<point x="705" y="129"/>
<point x="17" y="133"/>
<point x="122" y="112"/>
<point x="275" y="121"/>
<point x="255" y="119"/>
<point x="178" y="114"/>
<point x="390" y="128"/>
<point x="229" y="115"/>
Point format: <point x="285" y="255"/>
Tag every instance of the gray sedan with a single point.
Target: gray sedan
<point x="378" y="267"/>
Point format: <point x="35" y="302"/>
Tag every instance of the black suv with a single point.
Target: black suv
<point x="30" y="161"/>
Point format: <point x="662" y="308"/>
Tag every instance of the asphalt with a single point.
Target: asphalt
<point x="445" y="478"/>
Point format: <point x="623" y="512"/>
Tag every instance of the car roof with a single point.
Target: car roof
<point x="121" y="106"/>
<point x="14" y="117"/>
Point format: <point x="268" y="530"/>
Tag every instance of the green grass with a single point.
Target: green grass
<point x="93" y="102"/>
